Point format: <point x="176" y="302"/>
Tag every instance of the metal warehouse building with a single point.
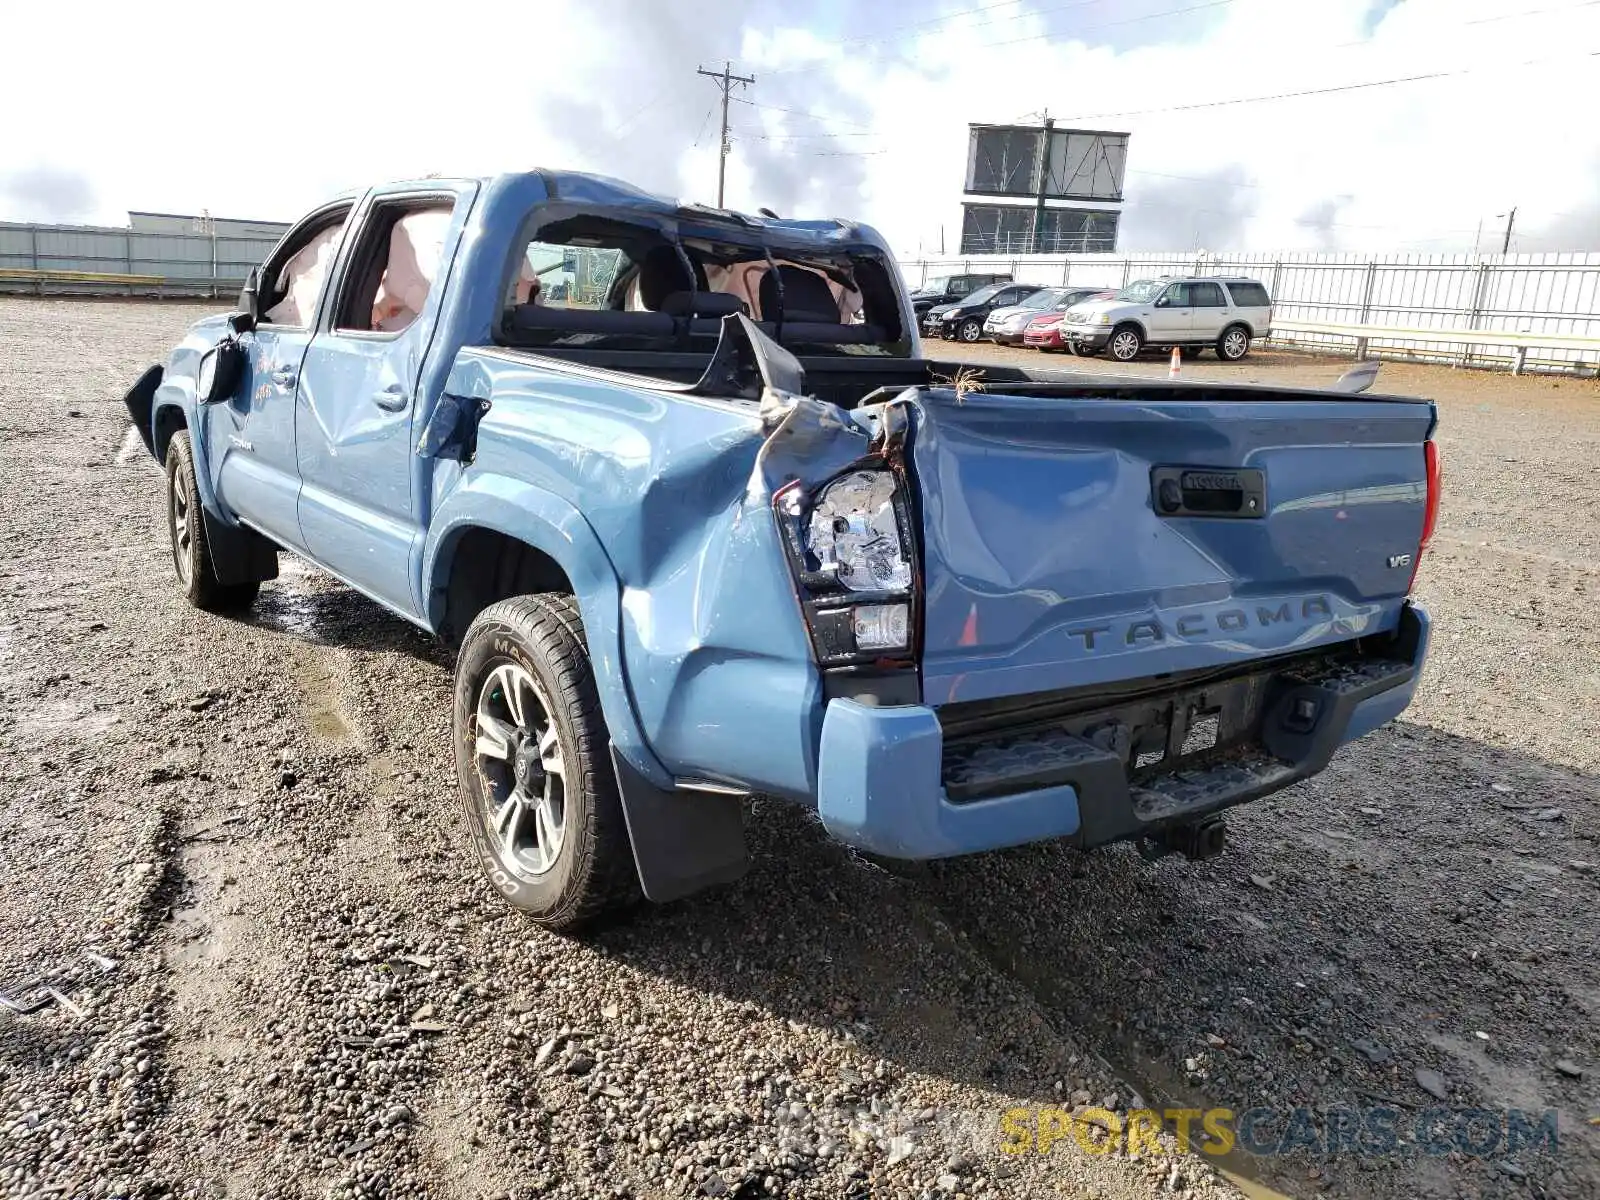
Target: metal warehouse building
<point x="165" y="254"/>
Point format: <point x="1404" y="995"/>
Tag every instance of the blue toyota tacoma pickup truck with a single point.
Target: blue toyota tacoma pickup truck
<point x="704" y="524"/>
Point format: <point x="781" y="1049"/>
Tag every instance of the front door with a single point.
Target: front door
<point x="356" y="406"/>
<point x="1171" y="318"/>
<point x="250" y="439"/>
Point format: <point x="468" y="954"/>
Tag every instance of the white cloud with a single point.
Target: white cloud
<point x="259" y="112"/>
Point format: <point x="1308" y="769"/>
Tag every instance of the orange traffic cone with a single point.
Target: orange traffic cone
<point x="1172" y="371"/>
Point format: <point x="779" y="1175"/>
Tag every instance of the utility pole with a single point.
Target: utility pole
<point x="1511" y="219"/>
<point x="725" y="80"/>
<point x="1043" y="169"/>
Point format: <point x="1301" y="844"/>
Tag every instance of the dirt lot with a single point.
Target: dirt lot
<point x="232" y="849"/>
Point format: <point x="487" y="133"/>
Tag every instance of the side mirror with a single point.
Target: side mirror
<point x="1163" y="302"/>
<point x="219" y="371"/>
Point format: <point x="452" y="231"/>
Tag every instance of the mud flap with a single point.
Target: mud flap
<point x="139" y="399"/>
<point x="238" y="555"/>
<point x="683" y="842"/>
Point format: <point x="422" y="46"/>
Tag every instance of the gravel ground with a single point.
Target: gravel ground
<point x="232" y="849"/>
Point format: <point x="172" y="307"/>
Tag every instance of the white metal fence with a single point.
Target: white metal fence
<point x="1554" y="296"/>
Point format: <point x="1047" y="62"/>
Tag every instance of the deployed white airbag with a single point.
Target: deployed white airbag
<point x="301" y="280"/>
<point x="416" y="248"/>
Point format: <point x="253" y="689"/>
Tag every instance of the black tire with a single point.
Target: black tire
<point x="1126" y="343"/>
<point x="1081" y="351"/>
<point x="970" y="330"/>
<point x="1233" y="343"/>
<point x="1190" y="352"/>
<point x="186" y="532"/>
<point x="590" y="867"/>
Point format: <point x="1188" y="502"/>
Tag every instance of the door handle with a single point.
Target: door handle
<point x="392" y="399"/>
<point x="285" y="377"/>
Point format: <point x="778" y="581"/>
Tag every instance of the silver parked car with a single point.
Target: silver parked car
<point x="1007" y="325"/>
<point x="1190" y="312"/>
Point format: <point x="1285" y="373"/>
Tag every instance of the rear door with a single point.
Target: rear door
<point x="1211" y="310"/>
<point x="250" y="439"/>
<point x="357" y="395"/>
<point x="1052" y="561"/>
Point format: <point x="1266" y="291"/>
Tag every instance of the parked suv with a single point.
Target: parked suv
<point x="1190" y="312"/>
<point x="947" y="289"/>
<point x="963" y="320"/>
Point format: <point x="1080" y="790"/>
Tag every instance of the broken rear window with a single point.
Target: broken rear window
<point x="597" y="280"/>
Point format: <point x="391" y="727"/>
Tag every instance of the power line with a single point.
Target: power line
<point x="800" y="112"/>
<point x="641" y="110"/>
<point x="1074" y="35"/>
<point x="1327" y="91"/>
<point x="1534" y="12"/>
<point x="970" y="12"/>
<point x="704" y="123"/>
<point x="802" y="137"/>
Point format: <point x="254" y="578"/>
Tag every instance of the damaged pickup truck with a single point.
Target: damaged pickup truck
<point x="704" y="524"/>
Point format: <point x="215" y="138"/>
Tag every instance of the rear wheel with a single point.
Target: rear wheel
<point x="970" y="330"/>
<point x="186" y="531"/>
<point x="1234" y="343"/>
<point x="531" y="759"/>
<point x="1125" y="344"/>
<point x="1189" y="352"/>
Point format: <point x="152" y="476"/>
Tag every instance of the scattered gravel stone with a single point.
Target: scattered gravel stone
<point x="1433" y="1083"/>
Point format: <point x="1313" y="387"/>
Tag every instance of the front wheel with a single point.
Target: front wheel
<point x="186" y="531"/>
<point x="1125" y="344"/>
<point x="1234" y="343"/>
<point x="1080" y="350"/>
<point x="531" y="758"/>
<point x="970" y="331"/>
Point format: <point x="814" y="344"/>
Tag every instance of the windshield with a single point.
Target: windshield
<point x="939" y="285"/>
<point x="1142" y="292"/>
<point x="1043" y="298"/>
<point x="982" y="295"/>
<point x="1073" y="299"/>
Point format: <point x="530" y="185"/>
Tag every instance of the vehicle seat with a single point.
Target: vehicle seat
<point x="806" y="297"/>
<point x="662" y="274"/>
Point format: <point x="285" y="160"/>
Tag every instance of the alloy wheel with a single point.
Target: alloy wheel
<point x="517" y="750"/>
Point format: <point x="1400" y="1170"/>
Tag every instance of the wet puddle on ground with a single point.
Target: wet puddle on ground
<point x="63" y="718"/>
<point x="132" y="449"/>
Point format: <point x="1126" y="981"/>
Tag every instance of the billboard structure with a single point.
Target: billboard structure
<point x="1037" y="189"/>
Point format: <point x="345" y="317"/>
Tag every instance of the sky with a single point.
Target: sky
<point x="857" y="110"/>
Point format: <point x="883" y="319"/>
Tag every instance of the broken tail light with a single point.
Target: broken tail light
<point x="1430" y="512"/>
<point x="852" y="548"/>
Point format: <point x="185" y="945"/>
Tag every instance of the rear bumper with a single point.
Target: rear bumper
<point x="886" y="784"/>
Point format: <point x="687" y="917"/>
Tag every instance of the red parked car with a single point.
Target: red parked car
<point x="1044" y="331"/>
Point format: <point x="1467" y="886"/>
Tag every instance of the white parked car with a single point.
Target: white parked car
<point x="1190" y="312"/>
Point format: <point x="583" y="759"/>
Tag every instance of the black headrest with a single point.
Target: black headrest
<point x="702" y="304"/>
<point x="661" y="273"/>
<point x="806" y="296"/>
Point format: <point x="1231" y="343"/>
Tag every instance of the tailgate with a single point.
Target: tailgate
<point x="1076" y="541"/>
